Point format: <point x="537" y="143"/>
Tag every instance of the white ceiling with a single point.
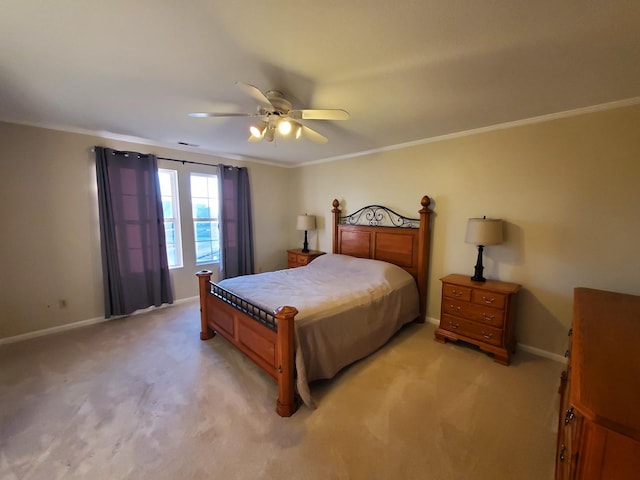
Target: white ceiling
<point x="405" y="70"/>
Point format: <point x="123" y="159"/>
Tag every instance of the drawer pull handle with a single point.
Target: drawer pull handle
<point x="562" y="449"/>
<point x="486" y="335"/>
<point x="456" y="293"/>
<point x="566" y="354"/>
<point x="454" y="308"/>
<point x="454" y="325"/>
<point x="568" y="416"/>
<point x="570" y="332"/>
<point x="488" y="300"/>
<point x="488" y="317"/>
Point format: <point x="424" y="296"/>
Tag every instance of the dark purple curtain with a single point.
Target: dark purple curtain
<point x="236" y="233"/>
<point x="134" y="255"/>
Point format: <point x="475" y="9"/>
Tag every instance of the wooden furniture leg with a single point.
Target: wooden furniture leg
<point x="204" y="277"/>
<point x="286" y="405"/>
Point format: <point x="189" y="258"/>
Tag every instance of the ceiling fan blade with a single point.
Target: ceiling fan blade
<point x="319" y="114"/>
<point x="255" y="93"/>
<point x="313" y="135"/>
<point x="215" y="114"/>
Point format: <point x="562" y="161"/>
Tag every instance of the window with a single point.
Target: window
<point x="204" y="201"/>
<point x="169" y="194"/>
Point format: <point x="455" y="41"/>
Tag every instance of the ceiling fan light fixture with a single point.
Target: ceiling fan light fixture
<point x="258" y="129"/>
<point x="297" y="130"/>
<point x="284" y="127"/>
<point x="277" y="114"/>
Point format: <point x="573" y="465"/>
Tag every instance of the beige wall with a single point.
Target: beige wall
<point x="50" y="248"/>
<point x="567" y="189"/>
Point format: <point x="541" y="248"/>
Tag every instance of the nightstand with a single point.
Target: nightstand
<point x="481" y="313"/>
<point x="297" y="258"/>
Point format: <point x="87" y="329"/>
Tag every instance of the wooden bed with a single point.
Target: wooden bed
<point x="267" y="338"/>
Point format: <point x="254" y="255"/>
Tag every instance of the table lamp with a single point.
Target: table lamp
<point x="481" y="232"/>
<point x="306" y="222"/>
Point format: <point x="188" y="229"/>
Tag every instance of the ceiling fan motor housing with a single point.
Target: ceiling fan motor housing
<point x="281" y="104"/>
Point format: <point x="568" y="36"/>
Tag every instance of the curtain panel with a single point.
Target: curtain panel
<point x="236" y="232"/>
<point x="134" y="256"/>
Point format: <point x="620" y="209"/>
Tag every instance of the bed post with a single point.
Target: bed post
<point x="423" y="255"/>
<point x="285" y="360"/>
<point x="336" y="221"/>
<point x="204" y="278"/>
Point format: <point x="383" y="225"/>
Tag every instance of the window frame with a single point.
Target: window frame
<point x="175" y="202"/>
<point x="211" y="218"/>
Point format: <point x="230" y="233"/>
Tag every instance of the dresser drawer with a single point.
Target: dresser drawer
<point x="455" y="291"/>
<point x="472" y="311"/>
<point x="569" y="431"/>
<point x="472" y="329"/>
<point x="297" y="258"/>
<point x="492" y="299"/>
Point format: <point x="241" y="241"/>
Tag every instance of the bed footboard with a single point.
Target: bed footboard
<point x="267" y="338"/>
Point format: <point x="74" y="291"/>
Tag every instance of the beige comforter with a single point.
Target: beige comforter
<point x="348" y="308"/>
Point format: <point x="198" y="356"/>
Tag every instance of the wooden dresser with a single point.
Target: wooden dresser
<point x="599" y="424"/>
<point x="297" y="258"/>
<point x="481" y="313"/>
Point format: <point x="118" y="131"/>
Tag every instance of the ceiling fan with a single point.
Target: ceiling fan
<point x="275" y="114"/>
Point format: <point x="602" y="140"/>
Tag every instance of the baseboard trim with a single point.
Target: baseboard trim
<point x="525" y="348"/>
<point x="542" y="353"/>
<point x="51" y="330"/>
<point x="83" y="323"/>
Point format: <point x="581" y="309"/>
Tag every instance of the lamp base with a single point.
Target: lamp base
<point x="305" y="246"/>
<point x="477" y="276"/>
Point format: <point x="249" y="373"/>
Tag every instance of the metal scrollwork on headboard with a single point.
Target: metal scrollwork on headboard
<point x="379" y="216"/>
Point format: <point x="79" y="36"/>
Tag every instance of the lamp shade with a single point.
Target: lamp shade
<point x="306" y="222"/>
<point x="484" y="231"/>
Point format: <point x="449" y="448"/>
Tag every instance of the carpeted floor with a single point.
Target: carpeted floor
<point x="144" y="398"/>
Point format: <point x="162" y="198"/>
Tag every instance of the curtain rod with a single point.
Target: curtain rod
<point x="93" y="150"/>
<point x="187" y="161"/>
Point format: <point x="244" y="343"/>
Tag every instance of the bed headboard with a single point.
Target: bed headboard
<point x="380" y="233"/>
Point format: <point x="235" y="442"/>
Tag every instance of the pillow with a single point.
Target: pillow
<point x="393" y="274"/>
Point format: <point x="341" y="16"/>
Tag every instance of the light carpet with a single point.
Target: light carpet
<point x="143" y="398"/>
